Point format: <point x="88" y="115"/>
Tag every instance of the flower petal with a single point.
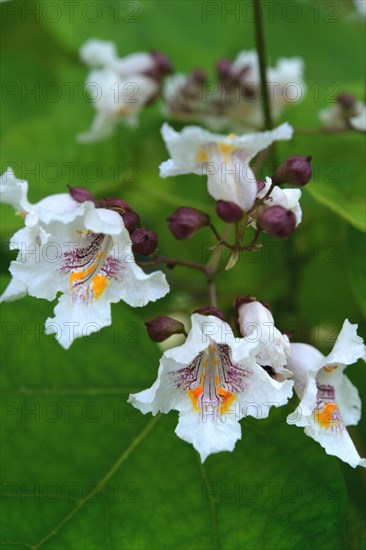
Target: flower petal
<point x="74" y="319"/>
<point x="208" y="437"/>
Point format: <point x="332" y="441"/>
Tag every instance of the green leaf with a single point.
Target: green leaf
<point x="356" y="266"/>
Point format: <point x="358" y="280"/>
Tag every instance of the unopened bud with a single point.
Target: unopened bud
<point x="198" y="76"/>
<point x="277" y="221"/>
<point x="144" y="242"/>
<point x="210" y="310"/>
<point x="346" y="100"/>
<point x="295" y="170"/>
<point x="229" y="211"/>
<point x="162" y="63"/>
<point x="161" y="328"/>
<point x="115" y="204"/>
<point x="80" y="194"/>
<point x="185" y="222"/>
<point x="223" y="69"/>
<point x="130" y="219"/>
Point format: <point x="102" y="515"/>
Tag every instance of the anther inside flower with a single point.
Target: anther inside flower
<point x="329" y="401"/>
<point x="213" y="380"/>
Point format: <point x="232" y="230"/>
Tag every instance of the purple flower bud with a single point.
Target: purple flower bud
<point x="294" y="170"/>
<point x="210" y="310"/>
<point x="346" y="100"/>
<point x="162" y="63"/>
<point x="229" y="211"/>
<point x="144" y="242"/>
<point x="198" y="76"/>
<point x="130" y="219"/>
<point x="80" y="194"/>
<point x="277" y="221"/>
<point x="185" y="222"/>
<point x="115" y="204"/>
<point x="223" y="69"/>
<point x="160" y="328"/>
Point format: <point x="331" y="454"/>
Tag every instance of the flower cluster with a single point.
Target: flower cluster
<point x="233" y="99"/>
<point x="88" y="252"/>
<point x="216" y="378"/>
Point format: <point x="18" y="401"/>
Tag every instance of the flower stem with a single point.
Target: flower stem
<point x="261" y="47"/>
<point x="173" y="262"/>
<point x="212" y="292"/>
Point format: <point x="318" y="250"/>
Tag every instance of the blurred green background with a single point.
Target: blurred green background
<point x="65" y="420"/>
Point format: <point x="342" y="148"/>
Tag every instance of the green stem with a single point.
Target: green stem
<point x="261" y="47"/>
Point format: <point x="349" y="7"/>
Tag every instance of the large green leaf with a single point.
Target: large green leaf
<point x="105" y="476"/>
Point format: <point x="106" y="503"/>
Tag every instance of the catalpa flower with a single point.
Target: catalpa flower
<point x="119" y="87"/>
<point x="213" y="380"/>
<point x="329" y="401"/>
<point x="224" y="159"/>
<point x="84" y="253"/>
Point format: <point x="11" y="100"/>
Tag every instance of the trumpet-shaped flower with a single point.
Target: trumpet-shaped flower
<point x="329" y="401"/>
<point x="213" y="380"/>
<point x="84" y="253"/>
<point x="224" y="159"/>
<point x="119" y="87"/>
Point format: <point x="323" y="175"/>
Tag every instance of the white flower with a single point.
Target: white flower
<point x="102" y="53"/>
<point x="358" y="122"/>
<point x="256" y="324"/>
<point x="288" y="198"/>
<point x="224" y="159"/>
<point x="119" y="88"/>
<point x="336" y="117"/>
<point x="84" y="253"/>
<point x="329" y="401"/>
<point x="213" y="380"/>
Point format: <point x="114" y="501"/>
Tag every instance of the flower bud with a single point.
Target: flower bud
<point x="80" y="194"/>
<point x="229" y="211"/>
<point x="186" y="221"/>
<point x="346" y="100"/>
<point x="115" y="204"/>
<point x="198" y="76"/>
<point x="130" y="219"/>
<point x="223" y="69"/>
<point x="295" y="170"/>
<point x="162" y="63"/>
<point x="277" y="221"/>
<point x="144" y="242"/>
<point x="210" y="310"/>
<point x="161" y="328"/>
